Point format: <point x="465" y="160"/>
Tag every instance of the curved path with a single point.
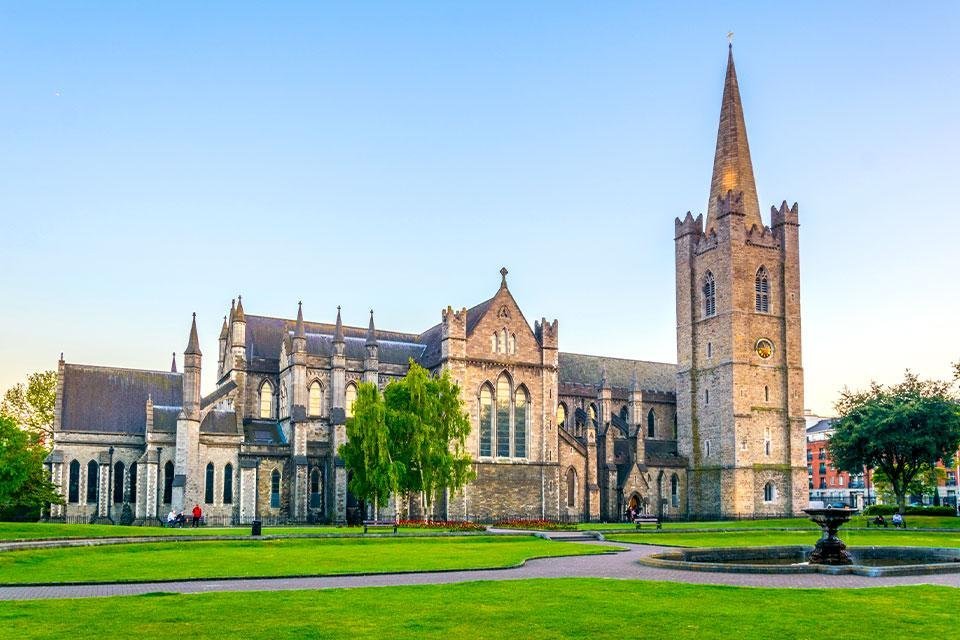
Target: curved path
<point x="621" y="566"/>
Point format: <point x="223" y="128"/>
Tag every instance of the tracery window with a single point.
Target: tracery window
<point x="486" y="421"/>
<point x="349" y="398"/>
<point x="709" y="296"/>
<point x="315" y="398"/>
<point x="651" y="423"/>
<point x="503" y="417"/>
<point x="266" y="400"/>
<point x="769" y="492"/>
<point x="762" y="286"/>
<point x="520" y="415"/>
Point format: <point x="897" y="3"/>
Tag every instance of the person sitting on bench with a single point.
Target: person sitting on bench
<point x="880" y="521"/>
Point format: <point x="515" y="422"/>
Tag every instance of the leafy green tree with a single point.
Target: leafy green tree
<point x="33" y="405"/>
<point x="367" y="452"/>
<point x="429" y="426"/>
<point x="24" y="486"/>
<point x="898" y="430"/>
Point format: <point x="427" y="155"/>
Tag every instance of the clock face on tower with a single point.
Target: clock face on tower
<point x="764" y="348"/>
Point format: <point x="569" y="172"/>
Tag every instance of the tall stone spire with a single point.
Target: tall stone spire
<point x="238" y="312"/>
<point x="173" y="365"/>
<point x="300" y="333"/>
<point x="193" y="344"/>
<point x="371" y="332"/>
<point x="338" y="331"/>
<point x="732" y="169"/>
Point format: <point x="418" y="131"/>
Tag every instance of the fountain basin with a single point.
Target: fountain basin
<point x="866" y="561"/>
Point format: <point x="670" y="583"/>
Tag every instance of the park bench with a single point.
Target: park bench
<point x="379" y="524"/>
<point x="878" y="522"/>
<point x="647" y="519"/>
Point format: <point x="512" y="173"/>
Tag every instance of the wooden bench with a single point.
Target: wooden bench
<point x="642" y="520"/>
<point x="378" y="524"/>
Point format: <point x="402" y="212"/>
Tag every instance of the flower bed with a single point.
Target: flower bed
<point x="445" y="525"/>
<point x="536" y="525"/>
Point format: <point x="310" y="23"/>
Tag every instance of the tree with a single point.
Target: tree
<point x="427" y="422"/>
<point x="367" y="451"/>
<point x="25" y="488"/>
<point x="900" y="430"/>
<point x="33" y="406"/>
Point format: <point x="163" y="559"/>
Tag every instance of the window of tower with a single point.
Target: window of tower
<point x="709" y="349"/>
<point x="766" y="393"/>
<point x="769" y="492"/>
<point x="315" y="397"/>
<point x="709" y="296"/>
<point x="266" y="400"/>
<point x="762" y="291"/>
<point x="706" y="396"/>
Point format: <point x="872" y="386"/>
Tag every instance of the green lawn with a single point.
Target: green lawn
<point x="853" y="538"/>
<point x="562" y="608"/>
<point x="284" y="557"/>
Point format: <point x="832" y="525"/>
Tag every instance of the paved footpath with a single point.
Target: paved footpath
<point x="620" y="566"/>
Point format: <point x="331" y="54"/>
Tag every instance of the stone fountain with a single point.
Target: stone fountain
<point x="830" y="549"/>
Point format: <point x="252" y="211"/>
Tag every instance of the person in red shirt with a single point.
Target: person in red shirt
<point x="197" y="514"/>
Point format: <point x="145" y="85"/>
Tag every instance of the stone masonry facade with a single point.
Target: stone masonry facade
<point x="554" y="435"/>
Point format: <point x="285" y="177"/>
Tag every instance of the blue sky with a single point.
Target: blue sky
<point x="158" y="160"/>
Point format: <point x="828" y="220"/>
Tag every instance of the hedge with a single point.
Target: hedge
<point x="890" y="509"/>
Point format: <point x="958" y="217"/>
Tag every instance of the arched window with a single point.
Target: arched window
<point x="503" y="417"/>
<point x="118" y="482"/>
<point x="315" y="398"/>
<point x="769" y="492"/>
<point x="709" y="296"/>
<point x="167" y="482"/>
<point x="315" y="488"/>
<point x="762" y="290"/>
<point x="73" y="491"/>
<point x="486" y="421"/>
<point x="228" y="484"/>
<point x="349" y="398"/>
<point x="208" y="485"/>
<point x="675" y="490"/>
<point x="503" y="340"/>
<point x="766" y="393"/>
<point x="521" y="413"/>
<point x="651" y="423"/>
<point x="93" y="481"/>
<point x="275" y="489"/>
<point x="493" y="342"/>
<point x="133" y="482"/>
<point x="571" y="487"/>
<point x="512" y="344"/>
<point x="266" y="400"/>
<point x="561" y="415"/>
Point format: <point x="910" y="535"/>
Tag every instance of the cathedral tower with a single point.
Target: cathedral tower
<point x="739" y="375"/>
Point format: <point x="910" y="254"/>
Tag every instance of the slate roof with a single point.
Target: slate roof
<point x="262" y="432"/>
<point x="663" y="453"/>
<point x="474" y="314"/>
<point x="824" y="425"/>
<point x="220" y="423"/>
<point x="113" y="400"/>
<point x="165" y="418"/>
<point x="264" y="335"/>
<point x="576" y="368"/>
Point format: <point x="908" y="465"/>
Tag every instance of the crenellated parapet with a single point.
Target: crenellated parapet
<point x="454" y="323"/>
<point x="547" y="333"/>
<point x="688" y="226"/>
<point x="785" y="215"/>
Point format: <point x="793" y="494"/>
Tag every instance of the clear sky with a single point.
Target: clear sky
<point x="158" y="160"/>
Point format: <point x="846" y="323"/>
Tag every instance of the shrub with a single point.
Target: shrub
<point x="890" y="509"/>
<point x="451" y="525"/>
<point x="536" y="525"/>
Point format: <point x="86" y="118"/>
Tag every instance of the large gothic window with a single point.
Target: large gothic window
<point x="275" y="489"/>
<point x="228" y="484"/>
<point x="709" y="296"/>
<point x="208" y="484"/>
<point x="651" y="423"/>
<point x="486" y="421"/>
<point x="762" y="290"/>
<point x="503" y="417"/>
<point x="167" y="482"/>
<point x="561" y="415"/>
<point x="571" y="487"/>
<point x="93" y="481"/>
<point x="266" y="400"/>
<point x="133" y="482"/>
<point x="349" y="398"/>
<point x="315" y="397"/>
<point x="73" y="491"/>
<point x="521" y="412"/>
<point x="118" y="482"/>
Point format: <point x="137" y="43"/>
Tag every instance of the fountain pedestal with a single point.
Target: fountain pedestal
<point x="830" y="549"/>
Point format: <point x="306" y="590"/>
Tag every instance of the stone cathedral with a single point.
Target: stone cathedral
<point x="554" y="435"/>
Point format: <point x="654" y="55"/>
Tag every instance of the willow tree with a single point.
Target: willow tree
<point x="429" y="427"/>
<point x="368" y="451"/>
<point x="900" y="429"/>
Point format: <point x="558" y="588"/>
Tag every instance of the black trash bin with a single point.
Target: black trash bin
<point x="257" y="528"/>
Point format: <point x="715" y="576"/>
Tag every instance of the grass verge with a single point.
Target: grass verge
<point x="562" y="608"/>
<point x="853" y="538"/>
<point x="286" y="557"/>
